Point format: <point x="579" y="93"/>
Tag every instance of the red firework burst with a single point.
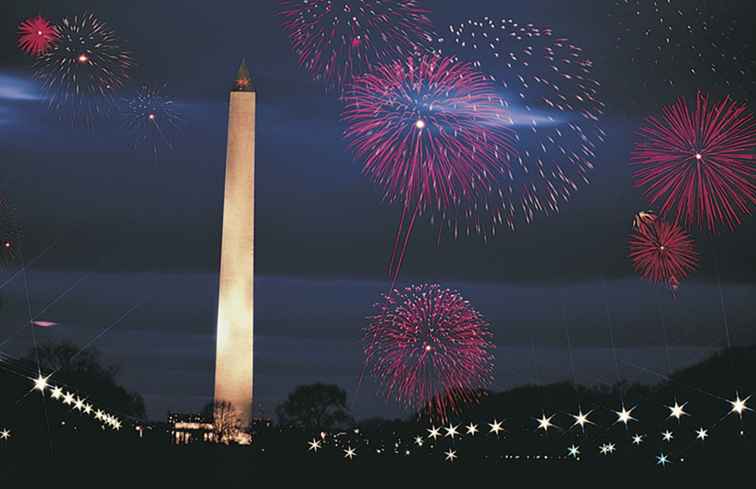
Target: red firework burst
<point x="36" y="35"/>
<point x="429" y="348"/>
<point x="434" y="134"/>
<point x="337" y="39"/>
<point x="662" y="252"/>
<point x="698" y="165"/>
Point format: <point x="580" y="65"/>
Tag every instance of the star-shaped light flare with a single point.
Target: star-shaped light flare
<point x="662" y="460"/>
<point x="40" y="383"/>
<point x="573" y="451"/>
<point x="496" y="427"/>
<point x="677" y="411"/>
<point x="625" y="415"/>
<point x="581" y="419"/>
<point x="544" y="423"/>
<point x="739" y="405"/>
<point x="607" y="448"/>
<point x="451" y="431"/>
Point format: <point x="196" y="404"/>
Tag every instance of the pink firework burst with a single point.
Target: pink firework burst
<point x="434" y="134"/>
<point x="698" y="165"/>
<point x="429" y="348"/>
<point x="36" y="35"/>
<point x="338" y="39"/>
<point x="662" y="252"/>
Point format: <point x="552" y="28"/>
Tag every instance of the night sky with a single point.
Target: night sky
<point x="121" y="229"/>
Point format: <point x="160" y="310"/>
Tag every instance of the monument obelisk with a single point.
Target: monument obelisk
<point x="233" y="361"/>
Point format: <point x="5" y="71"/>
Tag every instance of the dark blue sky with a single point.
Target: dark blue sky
<point x="146" y="231"/>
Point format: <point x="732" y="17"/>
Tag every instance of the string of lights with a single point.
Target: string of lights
<point x="436" y="436"/>
<point x="76" y="402"/>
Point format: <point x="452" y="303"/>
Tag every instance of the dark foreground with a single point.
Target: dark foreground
<point x="231" y="467"/>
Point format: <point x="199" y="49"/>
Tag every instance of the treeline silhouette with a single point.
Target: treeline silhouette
<point x="68" y="442"/>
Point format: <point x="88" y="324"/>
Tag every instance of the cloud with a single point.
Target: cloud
<point x="18" y="89"/>
<point x="15" y="93"/>
<point x="527" y="117"/>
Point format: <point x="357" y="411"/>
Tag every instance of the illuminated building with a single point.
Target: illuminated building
<point x="233" y="367"/>
<point x="190" y="428"/>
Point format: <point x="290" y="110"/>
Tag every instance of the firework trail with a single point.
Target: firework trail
<point x="36" y="36"/>
<point x="429" y="348"/>
<point x="152" y="118"/>
<point x="679" y="43"/>
<point x="699" y="165"/>
<point x="554" y="104"/>
<point x="10" y="232"/>
<point x="336" y="40"/>
<point x="433" y="134"/>
<point x="662" y="252"/>
<point x="84" y="68"/>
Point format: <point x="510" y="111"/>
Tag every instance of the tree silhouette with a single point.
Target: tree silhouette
<point x="315" y="407"/>
<point x="226" y="422"/>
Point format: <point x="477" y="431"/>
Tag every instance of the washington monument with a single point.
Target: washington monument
<point x="233" y="361"/>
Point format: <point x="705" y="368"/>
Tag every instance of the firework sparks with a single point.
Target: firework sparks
<point x="681" y="42"/>
<point x="152" y="118"/>
<point x="554" y="104"/>
<point x="84" y="67"/>
<point x="643" y="219"/>
<point x="663" y="252"/>
<point x="433" y="134"/>
<point x="36" y="36"/>
<point x="429" y="348"/>
<point x="698" y="165"/>
<point x="336" y="40"/>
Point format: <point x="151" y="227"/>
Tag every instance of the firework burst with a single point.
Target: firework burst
<point x="84" y="67"/>
<point x="152" y="118"/>
<point x="699" y="165"/>
<point x="338" y="39"/>
<point x="10" y="232"/>
<point x="36" y="36"/>
<point x="429" y="348"/>
<point x="662" y="252"/>
<point x="433" y="134"/>
<point x="554" y="105"/>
